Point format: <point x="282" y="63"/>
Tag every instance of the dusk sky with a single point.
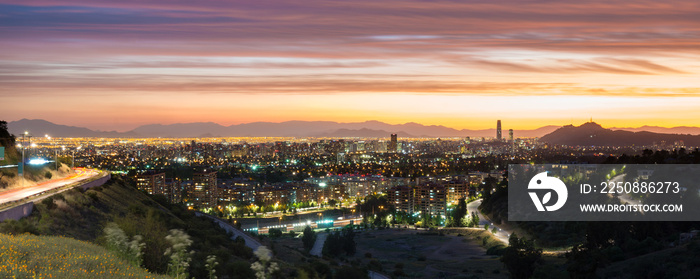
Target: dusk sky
<point x="115" y="65"/>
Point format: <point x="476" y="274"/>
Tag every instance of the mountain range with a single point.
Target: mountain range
<point x="592" y="134"/>
<point x="584" y="135"/>
<point x="37" y="128"/>
<point x="365" y="129"/>
<point x="663" y="130"/>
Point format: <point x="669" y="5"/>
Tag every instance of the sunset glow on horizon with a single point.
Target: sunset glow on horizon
<point x="115" y="65"/>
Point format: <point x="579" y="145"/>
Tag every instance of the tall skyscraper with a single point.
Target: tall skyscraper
<point x="510" y="135"/>
<point x="499" y="136"/>
<point x="393" y="144"/>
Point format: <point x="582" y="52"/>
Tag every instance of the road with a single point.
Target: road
<point x="377" y="275"/>
<point x="249" y="241"/>
<point x="318" y="245"/>
<point x="18" y="194"/>
<point x="624" y="198"/>
<point x="501" y="234"/>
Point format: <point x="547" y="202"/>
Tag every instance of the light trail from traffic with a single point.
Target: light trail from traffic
<point x="19" y="194"/>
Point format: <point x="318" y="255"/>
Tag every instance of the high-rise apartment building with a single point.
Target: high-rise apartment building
<point x="510" y="135"/>
<point x="393" y="144"/>
<point x="173" y="190"/>
<point x="456" y="189"/>
<point x="431" y="198"/>
<point x="151" y="182"/>
<point x="499" y="136"/>
<point x="203" y="191"/>
<point x="402" y="197"/>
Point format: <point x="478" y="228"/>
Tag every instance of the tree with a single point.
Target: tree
<point x="6" y="139"/>
<point x="308" y="238"/>
<point x="275" y="232"/>
<point x="487" y="186"/>
<point x="438" y="220"/>
<point x="583" y="261"/>
<point x="333" y="245"/>
<point x="458" y="213"/>
<point x="520" y="257"/>
<point x="338" y="242"/>
<point x="349" y="244"/>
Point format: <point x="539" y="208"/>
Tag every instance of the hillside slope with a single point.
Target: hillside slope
<point x="592" y="134"/>
<point x="83" y="215"/>
<point x="30" y="256"/>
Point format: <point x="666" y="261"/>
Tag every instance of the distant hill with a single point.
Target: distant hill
<point x="322" y="129"/>
<point x="539" y="132"/>
<point x="363" y="133"/>
<point x="39" y="128"/>
<point x="180" y="130"/>
<point x="267" y="129"/>
<point x="367" y="129"/>
<point x="592" y="134"/>
<point x="664" y="130"/>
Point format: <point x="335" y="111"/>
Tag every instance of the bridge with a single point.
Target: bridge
<point x="18" y="203"/>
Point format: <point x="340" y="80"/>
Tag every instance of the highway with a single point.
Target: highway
<point x="21" y="193"/>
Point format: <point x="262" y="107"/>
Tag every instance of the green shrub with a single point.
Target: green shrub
<point x="92" y="195"/>
<point x="275" y="232"/>
<point x="48" y="202"/>
<point x="496" y="250"/>
<point x="18" y="227"/>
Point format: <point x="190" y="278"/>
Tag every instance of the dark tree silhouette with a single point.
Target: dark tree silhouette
<point x="520" y="257"/>
<point x="308" y="238"/>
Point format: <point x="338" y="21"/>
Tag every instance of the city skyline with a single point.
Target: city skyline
<point x="116" y="66"/>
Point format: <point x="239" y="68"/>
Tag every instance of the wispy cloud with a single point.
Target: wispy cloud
<point x="568" y="66"/>
<point x="407" y="25"/>
<point x="191" y="86"/>
<point x="619" y="48"/>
